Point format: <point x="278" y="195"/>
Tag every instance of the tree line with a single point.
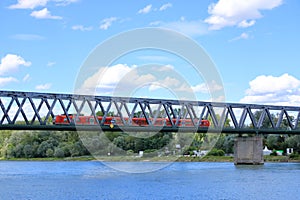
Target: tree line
<point x="40" y="144"/>
<point x="60" y="144"/>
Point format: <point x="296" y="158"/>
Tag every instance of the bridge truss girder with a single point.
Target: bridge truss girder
<point x="35" y="111"/>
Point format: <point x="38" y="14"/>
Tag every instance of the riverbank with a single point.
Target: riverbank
<point x="155" y="159"/>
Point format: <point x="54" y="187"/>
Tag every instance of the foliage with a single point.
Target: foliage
<point x="274" y="153"/>
<point x="226" y="143"/>
<point x="216" y="152"/>
<point x="40" y="144"/>
<point x="294" y="155"/>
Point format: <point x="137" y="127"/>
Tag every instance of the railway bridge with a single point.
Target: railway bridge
<point x="39" y="111"/>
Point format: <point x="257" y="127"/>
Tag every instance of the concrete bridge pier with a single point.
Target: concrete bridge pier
<point x="248" y="151"/>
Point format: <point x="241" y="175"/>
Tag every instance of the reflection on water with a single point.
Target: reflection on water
<point x="190" y="180"/>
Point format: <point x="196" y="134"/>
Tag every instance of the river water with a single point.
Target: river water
<point x="179" y="180"/>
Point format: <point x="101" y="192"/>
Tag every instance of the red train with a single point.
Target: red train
<point x="136" y="121"/>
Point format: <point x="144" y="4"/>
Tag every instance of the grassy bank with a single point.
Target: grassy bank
<point x="156" y="159"/>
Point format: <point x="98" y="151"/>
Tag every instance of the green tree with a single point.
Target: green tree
<point x="58" y="153"/>
<point x="28" y="151"/>
<point x="43" y="147"/>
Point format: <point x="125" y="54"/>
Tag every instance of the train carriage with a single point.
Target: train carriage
<point x="136" y="121"/>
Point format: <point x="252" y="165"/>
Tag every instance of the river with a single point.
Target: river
<point x="31" y="180"/>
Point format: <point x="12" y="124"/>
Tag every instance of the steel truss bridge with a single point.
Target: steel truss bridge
<point x="36" y="111"/>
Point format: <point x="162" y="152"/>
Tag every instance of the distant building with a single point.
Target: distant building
<point x="266" y="151"/>
<point x="279" y="152"/>
<point x="289" y="151"/>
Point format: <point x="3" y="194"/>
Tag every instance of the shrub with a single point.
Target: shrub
<point x="294" y="155"/>
<point x="49" y="153"/>
<point x="59" y="153"/>
<point x="274" y="153"/>
<point x="130" y="152"/>
<point x="216" y="152"/>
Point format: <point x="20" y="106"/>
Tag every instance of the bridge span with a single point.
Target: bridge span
<point x="71" y="112"/>
<point x="38" y="111"/>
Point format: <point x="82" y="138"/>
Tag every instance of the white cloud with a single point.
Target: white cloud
<point x="44" y="14"/>
<point x="207" y="88"/>
<point x="190" y="28"/>
<point x="26" y="78"/>
<point x="237" y="13"/>
<point x="65" y="2"/>
<point x="31" y="4"/>
<point x="124" y="80"/>
<point x="27" y="37"/>
<point x="106" y="23"/>
<point x="282" y="90"/>
<point x="50" y="64"/>
<point x="82" y="28"/>
<point x="167" y="82"/>
<point x="6" y="80"/>
<point x="107" y="76"/>
<point x="165" y="6"/>
<point x="242" y="36"/>
<point x="245" y="23"/>
<point x="43" y="86"/>
<point x="28" y="4"/>
<point x="145" y="10"/>
<point x="156" y="23"/>
<point x="11" y="63"/>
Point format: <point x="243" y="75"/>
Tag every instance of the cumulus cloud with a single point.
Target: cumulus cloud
<point x="106" y="78"/>
<point x="107" y="22"/>
<point x="207" y="87"/>
<point x="245" y="23"/>
<point x="237" y="13"/>
<point x="282" y="90"/>
<point x="11" y="63"/>
<point x="44" y="14"/>
<point x="82" y="28"/>
<point x="190" y="28"/>
<point x="145" y="10"/>
<point x="28" y="4"/>
<point x="45" y="86"/>
<point x="122" y="80"/>
<point x="165" y="6"/>
<point x="31" y="4"/>
<point x="149" y="8"/>
<point x="240" y="37"/>
<point x="6" y="80"/>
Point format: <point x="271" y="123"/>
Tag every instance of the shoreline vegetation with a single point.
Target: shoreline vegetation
<point x="153" y="159"/>
<point x="123" y="147"/>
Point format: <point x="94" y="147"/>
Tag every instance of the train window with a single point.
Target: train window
<point x="92" y="120"/>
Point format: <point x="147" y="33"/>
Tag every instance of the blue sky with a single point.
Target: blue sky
<point x="254" y="45"/>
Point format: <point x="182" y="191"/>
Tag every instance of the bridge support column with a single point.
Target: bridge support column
<point x="248" y="151"/>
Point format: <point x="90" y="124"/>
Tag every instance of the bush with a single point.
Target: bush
<point x="294" y="155"/>
<point x="130" y="152"/>
<point x="59" y="153"/>
<point x="28" y="151"/>
<point x="49" y="153"/>
<point x="150" y="153"/>
<point x="274" y="153"/>
<point x="216" y="152"/>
